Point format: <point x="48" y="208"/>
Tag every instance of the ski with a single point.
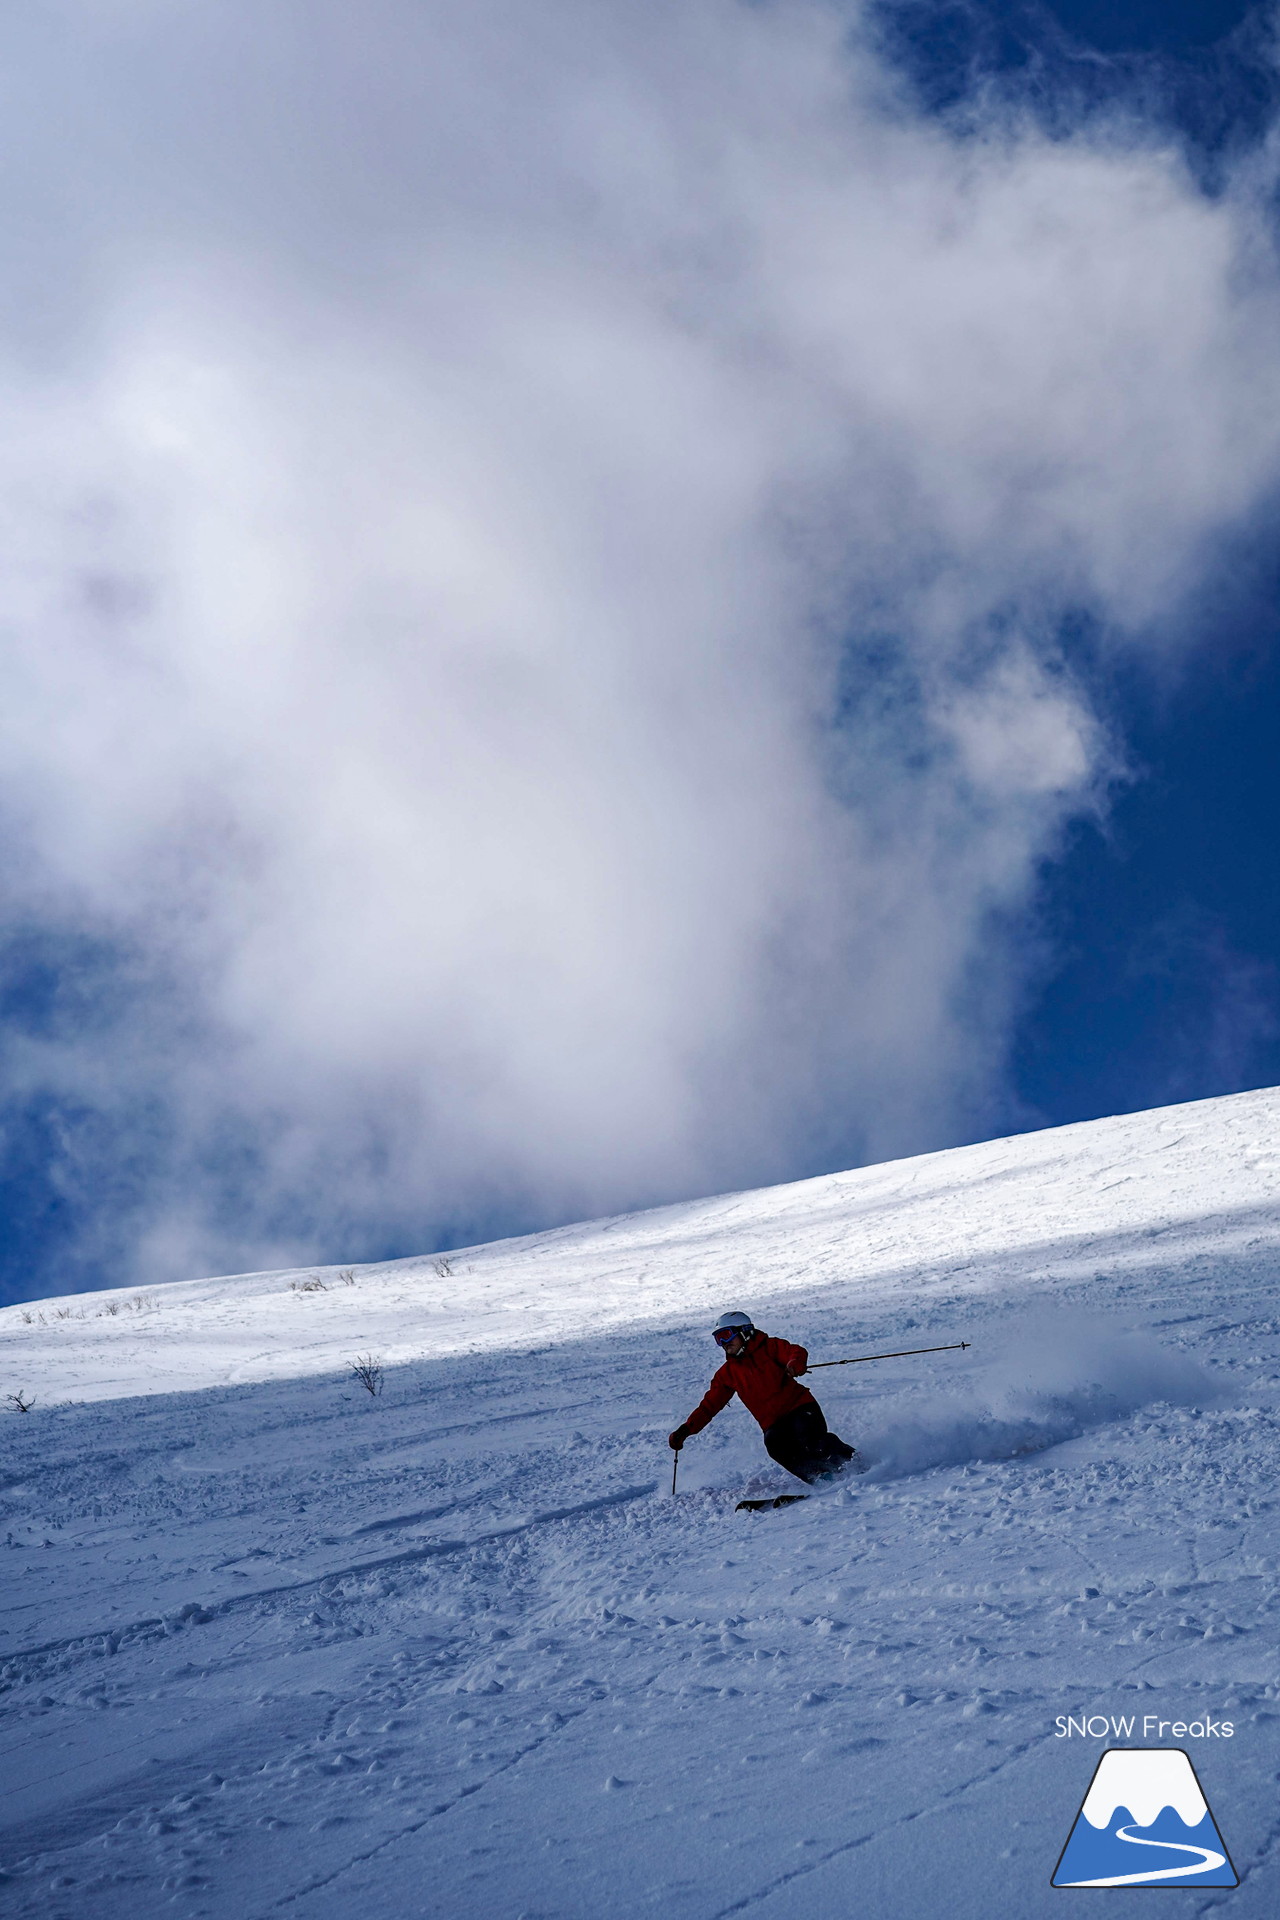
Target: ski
<point x="779" y="1500"/>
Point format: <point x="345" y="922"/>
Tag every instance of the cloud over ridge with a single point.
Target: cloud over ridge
<point x="534" y="553"/>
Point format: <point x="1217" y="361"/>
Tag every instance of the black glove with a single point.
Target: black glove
<point x="677" y="1439"/>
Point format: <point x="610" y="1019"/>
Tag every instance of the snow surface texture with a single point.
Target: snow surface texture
<point x="274" y="1645"/>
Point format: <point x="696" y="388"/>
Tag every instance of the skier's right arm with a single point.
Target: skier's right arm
<point x="717" y="1395"/>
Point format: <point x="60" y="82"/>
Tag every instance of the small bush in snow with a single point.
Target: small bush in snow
<point x="314" y="1285"/>
<point x="367" y="1369"/>
<point x="348" y="1276"/>
<point x="443" y="1268"/>
<point x="19" y="1402"/>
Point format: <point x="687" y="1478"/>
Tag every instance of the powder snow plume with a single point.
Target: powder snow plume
<point x="1053" y="1377"/>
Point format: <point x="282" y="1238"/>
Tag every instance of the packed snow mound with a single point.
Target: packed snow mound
<point x="1107" y="1198"/>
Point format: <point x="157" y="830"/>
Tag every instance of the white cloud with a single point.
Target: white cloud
<point x="530" y="547"/>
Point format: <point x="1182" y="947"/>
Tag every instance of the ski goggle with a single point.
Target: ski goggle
<point x="725" y="1336"/>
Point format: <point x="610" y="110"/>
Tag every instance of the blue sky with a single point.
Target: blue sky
<point x="1163" y="921"/>
<point x="694" y="621"/>
<point x="1165" y="924"/>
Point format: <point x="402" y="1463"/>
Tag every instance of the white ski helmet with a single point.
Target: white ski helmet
<point x="733" y="1323"/>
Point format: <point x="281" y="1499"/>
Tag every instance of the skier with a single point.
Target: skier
<point x="762" y="1372"/>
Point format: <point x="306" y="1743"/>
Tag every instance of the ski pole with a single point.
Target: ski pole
<point x="675" y="1462"/>
<point x="955" y="1347"/>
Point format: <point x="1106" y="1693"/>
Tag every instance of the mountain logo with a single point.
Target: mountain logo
<point x="1144" y="1823"/>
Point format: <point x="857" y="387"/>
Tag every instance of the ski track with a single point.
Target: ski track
<point x="588" y="1698"/>
<point x="405" y="1833"/>
<point x="885" y="1833"/>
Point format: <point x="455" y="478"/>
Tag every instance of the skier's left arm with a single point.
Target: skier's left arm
<point x="794" y="1359"/>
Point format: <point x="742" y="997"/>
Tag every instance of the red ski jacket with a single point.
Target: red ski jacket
<point x="761" y="1377"/>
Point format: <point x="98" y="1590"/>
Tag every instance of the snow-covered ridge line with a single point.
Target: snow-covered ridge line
<point x="1117" y="1193"/>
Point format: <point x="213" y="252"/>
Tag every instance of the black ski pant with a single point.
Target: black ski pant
<point x="803" y="1443"/>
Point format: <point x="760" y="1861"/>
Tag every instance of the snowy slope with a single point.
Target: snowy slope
<point x="978" y="1220"/>
<point x="272" y="1645"/>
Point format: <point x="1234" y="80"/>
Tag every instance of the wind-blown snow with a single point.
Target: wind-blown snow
<point x="273" y="1645"/>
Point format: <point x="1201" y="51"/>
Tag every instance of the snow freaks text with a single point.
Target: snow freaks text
<point x="1127" y="1726"/>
